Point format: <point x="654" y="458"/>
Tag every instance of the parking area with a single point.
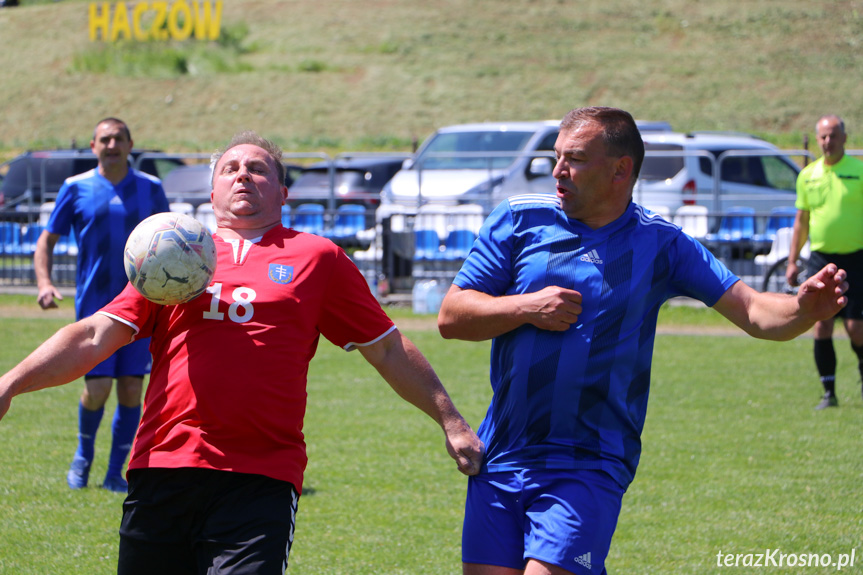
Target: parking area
<point x="405" y="247"/>
<point x="395" y="246"/>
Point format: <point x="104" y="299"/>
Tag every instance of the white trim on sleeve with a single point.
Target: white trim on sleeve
<point x="353" y="345"/>
<point x="121" y="320"/>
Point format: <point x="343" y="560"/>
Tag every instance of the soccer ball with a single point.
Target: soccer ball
<point x="170" y="258"/>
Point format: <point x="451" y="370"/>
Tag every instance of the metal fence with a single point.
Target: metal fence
<point x="428" y="240"/>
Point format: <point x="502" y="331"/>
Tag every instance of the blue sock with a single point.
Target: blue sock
<point x="124" y="427"/>
<point x="88" y="425"/>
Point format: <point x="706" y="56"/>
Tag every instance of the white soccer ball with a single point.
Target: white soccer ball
<point x="170" y="258"/>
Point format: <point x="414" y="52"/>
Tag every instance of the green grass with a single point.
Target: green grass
<point x="369" y="74"/>
<point x="735" y="460"/>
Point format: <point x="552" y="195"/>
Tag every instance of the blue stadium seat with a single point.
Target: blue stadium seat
<point x="309" y="218"/>
<point x="66" y="245"/>
<point x="458" y="244"/>
<point x="10" y="238"/>
<point x="350" y="219"/>
<point x="286" y="216"/>
<point x="427" y="245"/>
<point x="29" y="236"/>
<point x="782" y="217"/>
<point x="737" y="225"/>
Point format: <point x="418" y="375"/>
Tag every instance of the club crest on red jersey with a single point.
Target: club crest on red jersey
<point x="281" y="274"/>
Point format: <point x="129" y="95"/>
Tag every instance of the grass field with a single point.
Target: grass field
<point x="735" y="460"/>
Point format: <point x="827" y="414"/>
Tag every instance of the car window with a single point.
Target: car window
<point x="705" y="165"/>
<point x="480" y="141"/>
<point x="661" y="167"/>
<point x="16" y="179"/>
<point x="44" y="172"/>
<point x="779" y="173"/>
<point x="743" y="170"/>
<point x="56" y="170"/>
<point x="292" y="172"/>
<point x="159" y="167"/>
<point x="385" y="172"/>
<point x="547" y="143"/>
<point x="764" y="171"/>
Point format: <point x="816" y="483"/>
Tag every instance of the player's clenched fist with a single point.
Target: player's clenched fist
<point x="555" y="308"/>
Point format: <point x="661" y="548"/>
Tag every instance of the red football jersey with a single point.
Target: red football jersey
<point x="228" y="385"/>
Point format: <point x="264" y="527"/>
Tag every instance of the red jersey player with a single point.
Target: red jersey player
<point x="217" y="465"/>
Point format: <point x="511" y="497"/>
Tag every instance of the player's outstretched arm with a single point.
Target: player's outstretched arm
<point x="67" y="355"/>
<point x="475" y="316"/>
<point x="408" y="372"/>
<point x="782" y="317"/>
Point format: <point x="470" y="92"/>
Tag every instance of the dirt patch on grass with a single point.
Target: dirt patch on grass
<point x="64" y="312"/>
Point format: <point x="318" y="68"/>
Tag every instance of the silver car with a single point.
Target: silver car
<point x="477" y="164"/>
<point x="679" y="169"/>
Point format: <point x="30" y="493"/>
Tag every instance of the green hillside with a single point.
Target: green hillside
<point x="379" y="74"/>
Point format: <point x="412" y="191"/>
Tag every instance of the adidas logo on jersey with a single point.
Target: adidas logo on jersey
<point x="583" y="560"/>
<point x="592" y="257"/>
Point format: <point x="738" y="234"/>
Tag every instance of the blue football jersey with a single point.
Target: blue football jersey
<point x="577" y="399"/>
<point x="102" y="216"/>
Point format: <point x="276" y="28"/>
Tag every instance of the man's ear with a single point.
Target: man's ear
<point x="623" y="169"/>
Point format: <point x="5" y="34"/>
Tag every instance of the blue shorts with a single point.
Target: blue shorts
<point x="562" y="517"/>
<point x="131" y="359"/>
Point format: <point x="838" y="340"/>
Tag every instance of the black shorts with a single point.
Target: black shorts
<point x="853" y="264"/>
<point x="202" y="521"/>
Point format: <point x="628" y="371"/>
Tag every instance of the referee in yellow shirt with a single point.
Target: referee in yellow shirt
<point x="830" y="214"/>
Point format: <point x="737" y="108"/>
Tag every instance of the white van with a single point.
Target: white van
<point x="477" y="164"/>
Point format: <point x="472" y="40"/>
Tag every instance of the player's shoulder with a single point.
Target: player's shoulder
<point x="811" y="168"/>
<point x="308" y="241"/>
<point x="652" y="220"/>
<point x="526" y="211"/>
<point x="82" y="177"/>
<point x="523" y="202"/>
<point x="145" y="176"/>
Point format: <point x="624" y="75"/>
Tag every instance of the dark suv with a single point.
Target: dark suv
<point x="346" y="180"/>
<point x="357" y="179"/>
<point x="36" y="176"/>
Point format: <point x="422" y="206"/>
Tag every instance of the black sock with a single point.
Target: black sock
<point x="825" y="362"/>
<point x="859" y="352"/>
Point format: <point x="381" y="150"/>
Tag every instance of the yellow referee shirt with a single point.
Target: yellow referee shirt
<point x="833" y="196"/>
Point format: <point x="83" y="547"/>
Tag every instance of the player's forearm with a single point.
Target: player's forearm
<point x="42" y="264"/>
<point x="67" y="355"/>
<point x="474" y="316"/>
<point x="781" y="317"/>
<point x="777" y="317"/>
<point x="412" y="377"/>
